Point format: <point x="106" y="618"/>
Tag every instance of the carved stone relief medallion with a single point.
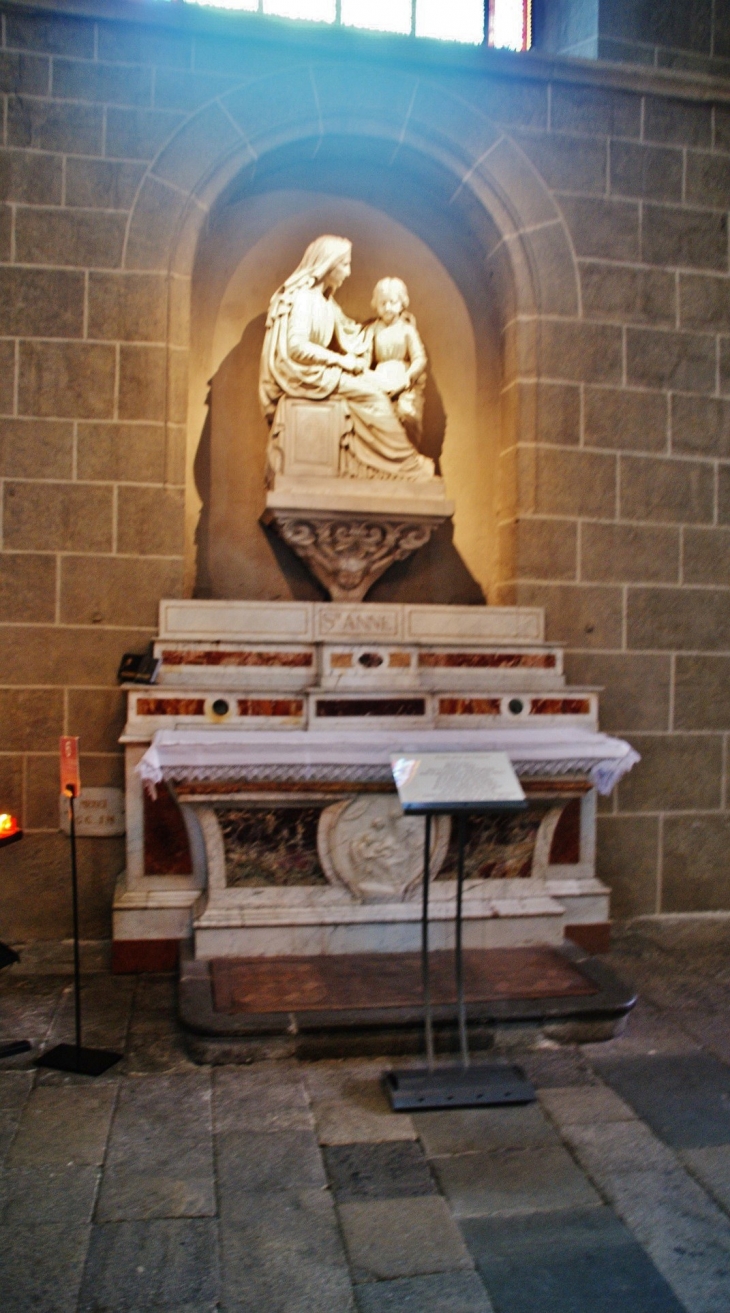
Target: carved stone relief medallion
<point x="368" y="845"/>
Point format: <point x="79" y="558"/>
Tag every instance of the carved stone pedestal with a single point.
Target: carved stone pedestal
<point x="348" y="532"/>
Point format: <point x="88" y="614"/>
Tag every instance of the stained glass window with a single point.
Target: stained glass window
<point x="508" y="21"/>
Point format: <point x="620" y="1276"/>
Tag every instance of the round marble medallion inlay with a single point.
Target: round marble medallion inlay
<point x="368" y="845"/>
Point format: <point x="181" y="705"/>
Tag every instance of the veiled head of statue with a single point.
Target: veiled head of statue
<point x="323" y="257"/>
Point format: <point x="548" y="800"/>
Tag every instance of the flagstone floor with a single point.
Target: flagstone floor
<point x="291" y="1188"/>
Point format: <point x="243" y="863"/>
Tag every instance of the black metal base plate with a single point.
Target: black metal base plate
<point x="15" y="1046"/>
<point x="84" y="1062"/>
<point x="419" y="1089"/>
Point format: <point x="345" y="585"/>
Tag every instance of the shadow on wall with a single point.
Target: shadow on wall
<point x="237" y="557"/>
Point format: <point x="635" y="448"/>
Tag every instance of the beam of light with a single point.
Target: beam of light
<point x="451" y="20"/>
<point x="378" y="15"/>
<point x="508" y="24"/>
<point x="250" y="6"/>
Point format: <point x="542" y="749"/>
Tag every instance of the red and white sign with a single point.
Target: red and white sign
<point x="70" y="777"/>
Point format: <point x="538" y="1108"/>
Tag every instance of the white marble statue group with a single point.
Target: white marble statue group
<point x="312" y="351"/>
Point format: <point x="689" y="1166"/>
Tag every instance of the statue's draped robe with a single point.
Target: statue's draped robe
<point x="297" y="361"/>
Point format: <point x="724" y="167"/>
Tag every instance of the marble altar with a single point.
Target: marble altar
<point x="348" y="490"/>
<point x="273" y="726"/>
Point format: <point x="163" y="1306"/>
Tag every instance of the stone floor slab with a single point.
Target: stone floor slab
<point x="482" y="1129"/>
<point x="448" y="1292"/>
<point x="159" y="1159"/>
<point x="15" y="1086"/>
<point x="378" y="1171"/>
<point x="556" y="1065"/>
<point x="64" y="1124"/>
<point x="401" y="1238"/>
<point x="711" y="1167"/>
<point x="42" y="1194"/>
<point x="682" y="1229"/>
<point x="285" y="1256"/>
<point x="133" y="1267"/>
<point x="619" y="1147"/>
<point x="253" y="1163"/>
<point x="566" y="1262"/>
<point x="41" y="1267"/>
<point x="263" y="1099"/>
<point x="586" y="1105"/>
<point x="685" y="1098"/>
<point x="350" y="1105"/>
<point x="513" y="1182"/>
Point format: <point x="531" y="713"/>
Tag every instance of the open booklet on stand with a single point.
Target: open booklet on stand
<point x="429" y="785"/>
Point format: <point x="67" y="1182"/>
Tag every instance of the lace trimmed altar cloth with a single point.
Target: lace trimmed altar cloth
<point x="288" y="755"/>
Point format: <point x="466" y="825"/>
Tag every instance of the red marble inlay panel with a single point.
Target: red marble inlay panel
<point x="469" y="706"/>
<point x="372" y="707"/>
<point x="172" y="657"/>
<point x="560" y="707"/>
<point x="399" y="660"/>
<point x="170" y="706"/>
<point x="270" y="707"/>
<point x="488" y="660"/>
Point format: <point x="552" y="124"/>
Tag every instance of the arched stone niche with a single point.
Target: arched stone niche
<point x="400" y="222"/>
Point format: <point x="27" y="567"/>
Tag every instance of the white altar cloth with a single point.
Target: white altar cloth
<point x="199" y="754"/>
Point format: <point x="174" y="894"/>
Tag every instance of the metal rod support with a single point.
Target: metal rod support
<point x="425" y="971"/>
<point x="463" y="1041"/>
<point x="75" y="896"/>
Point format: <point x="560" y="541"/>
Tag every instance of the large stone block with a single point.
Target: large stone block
<point x="596" y="110"/>
<point x="579" y="615"/>
<point x="188" y="93"/>
<point x="627" y="857"/>
<point x="685" y="361"/>
<point x="508" y="100"/>
<point x="138" y="134"/>
<point x="602" y="227"/>
<point x="142" y="374"/>
<point x="155" y="220"/>
<point x="11" y="783"/>
<point x="126" y="453"/>
<point x="60" y="517"/>
<point x="109" y="84"/>
<point x="97" y="715"/>
<point x="7" y="377"/>
<point x="567" y="163"/>
<point x="701" y="425"/>
<point x="634" y="688"/>
<point x="685" y="619"/>
<point x="41" y="654"/>
<point x="622" y="553"/>
<point x="58" y="34"/>
<point x="706" y="558"/>
<point x="723" y="494"/>
<point x="129" y="43"/>
<point x="41" y="792"/>
<point x="27" y="74"/>
<point x="78" y="237"/>
<point x="102" y="184"/>
<point x="543" y="549"/>
<point x="128" y="307"/>
<point x="677" y="772"/>
<point x="642" y="296"/>
<point x="151" y="521"/>
<point x="35" y="179"/>
<point x="116" y="590"/>
<point x="702" y="692"/>
<point x="581" y="352"/>
<point x="41" y="302"/>
<point x="575" y="483"/>
<point x="27" y="588"/>
<point x="48" y="125"/>
<point x="34" y="895"/>
<point x="685" y="27"/>
<point x="673" y="235"/>
<point x="543" y="412"/>
<point x="197" y="147"/>
<point x="649" y="172"/>
<point x="704" y="302"/>
<point x="683" y="122"/>
<point x="696" y="872"/>
<point x="708" y="179"/>
<point x="31" y="719"/>
<point x="674" y="491"/>
<point x="31" y="446"/>
<point x="625" y="420"/>
<point x="66" y="379"/>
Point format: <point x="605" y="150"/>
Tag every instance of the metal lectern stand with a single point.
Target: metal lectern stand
<point x="451" y="1086"/>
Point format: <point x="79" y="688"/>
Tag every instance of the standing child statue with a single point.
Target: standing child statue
<point x="398" y="354"/>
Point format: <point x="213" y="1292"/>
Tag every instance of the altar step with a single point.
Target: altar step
<point x="344" y="1005"/>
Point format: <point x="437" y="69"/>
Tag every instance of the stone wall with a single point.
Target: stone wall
<point x="121" y="126"/>
<point x="694" y="35"/>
